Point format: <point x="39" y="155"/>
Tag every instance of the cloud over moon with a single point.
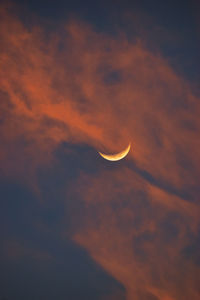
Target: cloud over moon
<point x="84" y="87"/>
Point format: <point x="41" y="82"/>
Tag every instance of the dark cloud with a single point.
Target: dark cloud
<point x="36" y="262"/>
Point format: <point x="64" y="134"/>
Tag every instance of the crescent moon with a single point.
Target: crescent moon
<point x="117" y="156"/>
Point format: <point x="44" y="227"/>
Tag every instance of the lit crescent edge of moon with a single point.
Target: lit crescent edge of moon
<point x="117" y="156"/>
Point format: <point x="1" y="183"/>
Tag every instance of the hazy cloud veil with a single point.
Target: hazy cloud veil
<point x="83" y="87"/>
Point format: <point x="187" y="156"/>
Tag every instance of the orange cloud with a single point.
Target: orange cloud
<point x="138" y="233"/>
<point x="81" y="86"/>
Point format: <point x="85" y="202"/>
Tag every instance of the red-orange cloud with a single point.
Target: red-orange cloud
<point x="87" y="87"/>
<point x="138" y="232"/>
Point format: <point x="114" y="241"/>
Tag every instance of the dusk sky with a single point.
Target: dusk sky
<point x="82" y="77"/>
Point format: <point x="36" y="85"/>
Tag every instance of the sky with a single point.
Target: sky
<point x="76" y="78"/>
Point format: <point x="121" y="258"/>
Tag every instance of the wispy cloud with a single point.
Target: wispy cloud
<point x="81" y="86"/>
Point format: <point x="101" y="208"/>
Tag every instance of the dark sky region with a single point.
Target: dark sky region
<point x="78" y="77"/>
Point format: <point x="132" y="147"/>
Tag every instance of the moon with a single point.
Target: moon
<point x="117" y="156"/>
